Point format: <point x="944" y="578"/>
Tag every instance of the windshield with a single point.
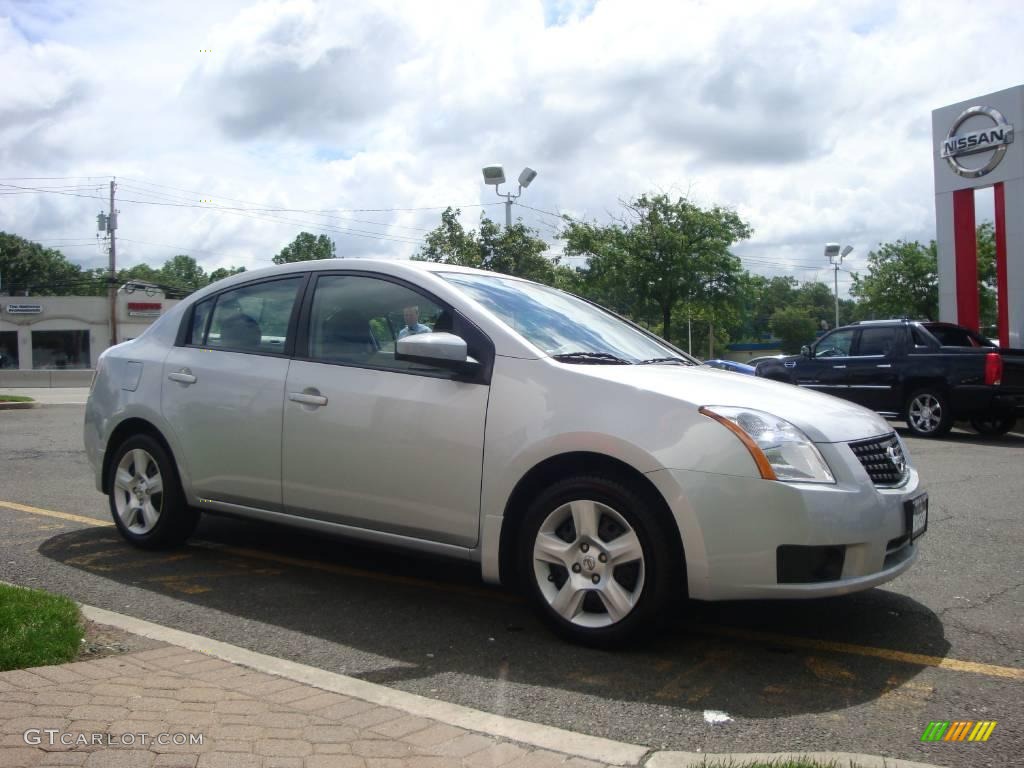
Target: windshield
<point x="562" y="325"/>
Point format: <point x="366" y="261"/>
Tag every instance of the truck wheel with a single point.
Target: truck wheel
<point x="994" y="425"/>
<point x="595" y="561"/>
<point x="928" y="414"/>
<point x="146" y="499"/>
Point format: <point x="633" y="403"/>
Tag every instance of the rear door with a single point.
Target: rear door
<point x="872" y="372"/>
<point x="224" y="388"/>
<point x="374" y="442"/>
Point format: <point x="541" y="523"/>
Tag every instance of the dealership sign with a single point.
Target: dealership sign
<point x="993" y="138"/>
<point x="24" y="309"/>
<point x="144" y="308"/>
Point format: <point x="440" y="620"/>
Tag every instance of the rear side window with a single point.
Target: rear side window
<point x="200" y="319"/>
<point x="953" y="337"/>
<point x="253" y="318"/>
<point x="920" y="339"/>
<point x="878" y="341"/>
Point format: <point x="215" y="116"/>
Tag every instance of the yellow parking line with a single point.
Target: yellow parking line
<point x="903" y="657"/>
<point x="54" y="513"/>
<point x="919" y="659"/>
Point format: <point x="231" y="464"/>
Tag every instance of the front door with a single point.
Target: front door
<point x="223" y="392"/>
<point x="826" y="370"/>
<point x="374" y="442"/>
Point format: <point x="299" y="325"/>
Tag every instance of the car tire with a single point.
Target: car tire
<point x="596" y="561"/>
<point x="927" y="413"/>
<point x="146" y="499"/>
<point x="993" y="426"/>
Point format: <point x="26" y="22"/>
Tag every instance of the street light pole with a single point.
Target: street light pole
<point x="495" y="175"/>
<point x="835" y="258"/>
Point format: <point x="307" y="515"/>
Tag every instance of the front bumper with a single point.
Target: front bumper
<point x="732" y="528"/>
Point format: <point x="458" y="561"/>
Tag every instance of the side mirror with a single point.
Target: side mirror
<point x="805" y="351"/>
<point x="445" y="350"/>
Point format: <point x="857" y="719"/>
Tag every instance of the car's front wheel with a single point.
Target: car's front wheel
<point x="596" y="560"/>
<point x="146" y="500"/>
<point x="928" y="414"/>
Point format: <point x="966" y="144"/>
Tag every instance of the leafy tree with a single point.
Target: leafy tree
<point x="902" y="279"/>
<point x="28" y="266"/>
<point x="450" y="243"/>
<point x="517" y="250"/>
<point x="794" y="326"/>
<point x="306" y="247"/>
<point x="222" y="272"/>
<point x="183" y="272"/>
<point x="664" y="252"/>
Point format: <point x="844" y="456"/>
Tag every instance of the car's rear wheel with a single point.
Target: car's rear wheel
<point x="596" y="560"/>
<point x="993" y="425"/>
<point x="928" y="414"/>
<point x="146" y="500"/>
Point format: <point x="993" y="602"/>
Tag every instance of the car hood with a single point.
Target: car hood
<point x="823" y="418"/>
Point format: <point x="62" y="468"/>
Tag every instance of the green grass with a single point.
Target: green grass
<point x="15" y="399"/>
<point x="778" y="763"/>
<point x="37" y="628"/>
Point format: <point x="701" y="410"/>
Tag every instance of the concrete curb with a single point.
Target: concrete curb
<point x="543" y="736"/>
<point x="840" y="759"/>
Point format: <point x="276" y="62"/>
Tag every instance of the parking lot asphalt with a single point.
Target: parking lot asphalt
<point x="863" y="673"/>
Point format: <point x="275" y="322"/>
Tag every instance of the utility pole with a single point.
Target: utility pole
<point x="112" y="280"/>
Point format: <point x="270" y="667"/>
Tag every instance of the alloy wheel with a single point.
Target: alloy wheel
<point x="138" y="491"/>
<point x="588" y="563"/>
<point x="925" y="412"/>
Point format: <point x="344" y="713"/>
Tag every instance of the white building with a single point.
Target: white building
<point x="55" y="341"/>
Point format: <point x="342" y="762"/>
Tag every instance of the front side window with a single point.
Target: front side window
<point x="358" y="320"/>
<point x="253" y="318"/>
<point x="836" y="344"/>
<point x="877" y="341"/>
<point x="561" y="324"/>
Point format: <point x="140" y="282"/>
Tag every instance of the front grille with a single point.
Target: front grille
<point x="882" y="458"/>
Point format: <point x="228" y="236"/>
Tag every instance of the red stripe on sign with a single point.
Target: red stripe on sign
<point x="1002" y="281"/>
<point x="965" y="244"/>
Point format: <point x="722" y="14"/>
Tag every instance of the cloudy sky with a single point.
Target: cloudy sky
<point x="232" y="126"/>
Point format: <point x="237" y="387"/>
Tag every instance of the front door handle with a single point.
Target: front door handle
<point x="307" y="398"/>
<point x="838" y="366"/>
<point x="884" y="365"/>
<point x="184" y="376"/>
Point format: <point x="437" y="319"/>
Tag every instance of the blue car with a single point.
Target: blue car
<point x="731" y="365"/>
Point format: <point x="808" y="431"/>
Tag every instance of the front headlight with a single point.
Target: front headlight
<point x="780" y="450"/>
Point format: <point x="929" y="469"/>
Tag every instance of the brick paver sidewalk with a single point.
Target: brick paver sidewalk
<point x="247" y="719"/>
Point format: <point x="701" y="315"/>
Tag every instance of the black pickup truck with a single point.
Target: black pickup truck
<point x="929" y="374"/>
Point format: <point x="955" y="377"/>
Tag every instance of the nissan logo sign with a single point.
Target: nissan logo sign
<point x="994" y="138"/>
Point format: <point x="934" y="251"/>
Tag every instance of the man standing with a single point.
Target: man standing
<point x="411" y="315"/>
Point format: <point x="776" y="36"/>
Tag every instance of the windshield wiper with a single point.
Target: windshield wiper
<point x="653" y="360"/>
<point x="593" y="358"/>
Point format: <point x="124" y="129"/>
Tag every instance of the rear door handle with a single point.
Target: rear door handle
<point x="838" y="366"/>
<point x="184" y="376"/>
<point x="884" y="365"/>
<point x="306" y="398"/>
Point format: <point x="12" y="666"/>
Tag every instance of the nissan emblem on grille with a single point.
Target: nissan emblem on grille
<point x="882" y="458"/>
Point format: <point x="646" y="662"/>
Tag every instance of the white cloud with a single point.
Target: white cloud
<point x="812" y="119"/>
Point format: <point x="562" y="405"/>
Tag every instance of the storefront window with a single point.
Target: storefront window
<point x="8" y="349"/>
<point x="60" y="349"/>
